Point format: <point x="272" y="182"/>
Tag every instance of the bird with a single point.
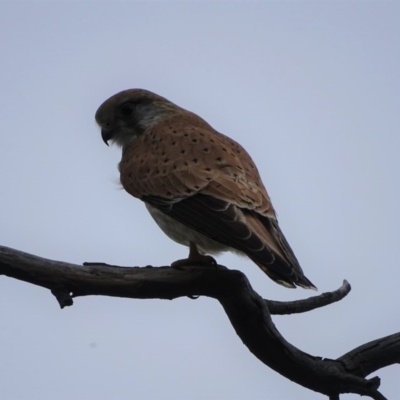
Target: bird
<point x="201" y="187"/>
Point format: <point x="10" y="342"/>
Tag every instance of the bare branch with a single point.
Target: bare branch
<point x="247" y="311"/>
<point x="372" y="356"/>
<point x="300" y="306"/>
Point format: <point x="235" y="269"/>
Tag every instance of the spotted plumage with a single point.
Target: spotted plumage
<point x="200" y="186"/>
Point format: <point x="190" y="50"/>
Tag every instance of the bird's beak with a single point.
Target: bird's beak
<point x="106" y="134"/>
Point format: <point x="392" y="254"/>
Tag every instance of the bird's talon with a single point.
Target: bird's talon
<point x="199" y="260"/>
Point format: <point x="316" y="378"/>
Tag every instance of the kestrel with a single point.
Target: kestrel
<point x="201" y="187"/>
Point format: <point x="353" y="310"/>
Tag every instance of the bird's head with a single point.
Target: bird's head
<point x="128" y="114"/>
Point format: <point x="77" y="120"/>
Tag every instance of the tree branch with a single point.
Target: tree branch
<point x="372" y="356"/>
<point x="300" y="306"/>
<point x="247" y="311"/>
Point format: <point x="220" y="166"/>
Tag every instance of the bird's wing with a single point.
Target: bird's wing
<point x="179" y="158"/>
<point x="208" y="182"/>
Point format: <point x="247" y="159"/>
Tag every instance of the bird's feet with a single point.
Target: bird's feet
<point x="195" y="259"/>
<point x="192" y="261"/>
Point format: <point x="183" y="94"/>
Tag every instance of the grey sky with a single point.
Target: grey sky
<point x="311" y="90"/>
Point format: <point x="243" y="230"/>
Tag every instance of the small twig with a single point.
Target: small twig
<point x="63" y="297"/>
<point x="374" y="394"/>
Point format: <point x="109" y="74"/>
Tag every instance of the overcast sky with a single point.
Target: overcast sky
<point x="310" y="89"/>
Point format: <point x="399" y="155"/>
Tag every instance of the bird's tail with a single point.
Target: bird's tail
<point x="284" y="267"/>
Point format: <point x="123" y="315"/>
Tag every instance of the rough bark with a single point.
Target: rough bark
<point x="249" y="314"/>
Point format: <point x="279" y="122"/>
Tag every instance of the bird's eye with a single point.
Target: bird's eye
<point x="126" y="109"/>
